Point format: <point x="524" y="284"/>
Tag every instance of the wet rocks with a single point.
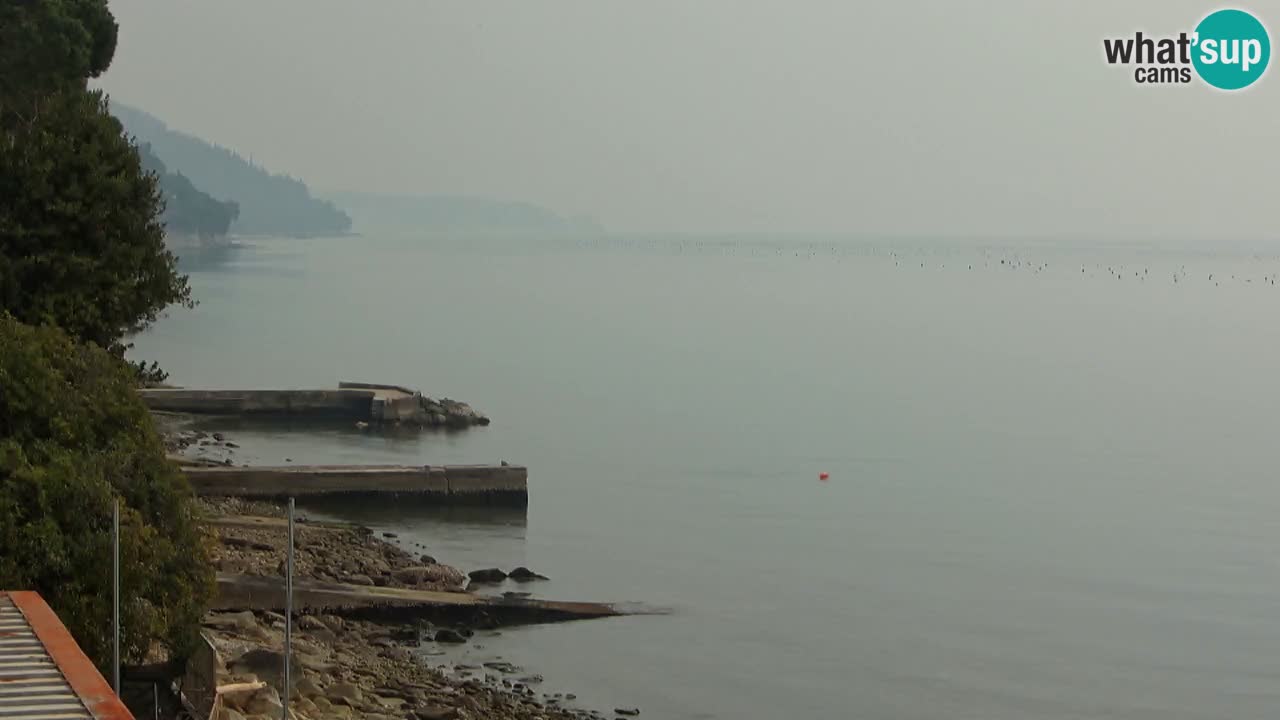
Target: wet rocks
<point x="250" y="699"/>
<point x="239" y="695"/>
<point x="447" y="635"/>
<point x="524" y="574"/>
<point x="349" y="668"/>
<point x="264" y="702"/>
<point x="244" y="544"/>
<point x="307" y="688"/>
<point x="311" y="622"/>
<point x="327" y="553"/>
<point x="628" y="712"/>
<point x="488" y="575"/>
<point x="448" y="413"/>
<point x="434" y="712"/>
<point x="344" y="693"/>
<point x="232" y="621"/>
<point x="429" y="574"/>
<point x="263" y="663"/>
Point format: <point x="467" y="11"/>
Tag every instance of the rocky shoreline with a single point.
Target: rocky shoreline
<point x="347" y="667"/>
<point x="187" y="443"/>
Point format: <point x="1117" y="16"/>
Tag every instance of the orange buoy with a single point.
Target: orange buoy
<point x="823" y="475"/>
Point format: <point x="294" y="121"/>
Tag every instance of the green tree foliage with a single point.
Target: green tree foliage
<point x="74" y="436"/>
<point x="52" y="45"/>
<point x="81" y="240"/>
<point x="81" y="243"/>
<point x="82" y="256"/>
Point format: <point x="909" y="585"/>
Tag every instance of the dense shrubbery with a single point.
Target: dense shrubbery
<point x="82" y="257"/>
<point x="81" y="242"/>
<point x="74" y="435"/>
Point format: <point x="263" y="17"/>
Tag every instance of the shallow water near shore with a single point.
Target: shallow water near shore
<point x="1052" y="489"/>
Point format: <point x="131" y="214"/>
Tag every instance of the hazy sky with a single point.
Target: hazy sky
<point x="724" y="115"/>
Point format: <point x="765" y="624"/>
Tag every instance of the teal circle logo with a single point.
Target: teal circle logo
<point x="1232" y="49"/>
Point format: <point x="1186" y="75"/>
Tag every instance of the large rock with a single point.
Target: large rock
<point x="445" y="635"/>
<point x="436" y="712"/>
<point x="460" y="414"/>
<point x="434" y="574"/>
<point x="304" y="707"/>
<point x="311" y="622"/>
<point x="344" y="693"/>
<point x="239" y="621"/>
<point x="266" y="664"/>
<point x="488" y="575"/>
<point x="317" y="665"/>
<point x="237" y="696"/>
<point x="324" y="635"/>
<point x="524" y="574"/>
<point x="449" y="413"/>
<point x="265" y="702"/>
<point x="307" y="688"/>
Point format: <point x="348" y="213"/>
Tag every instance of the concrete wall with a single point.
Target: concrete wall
<point x="498" y="484"/>
<point x="476" y="482"/>
<point x="374" y="386"/>
<point x="351" y="403"/>
<point x="397" y="409"/>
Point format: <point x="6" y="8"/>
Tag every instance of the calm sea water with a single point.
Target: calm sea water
<point x="1053" y="472"/>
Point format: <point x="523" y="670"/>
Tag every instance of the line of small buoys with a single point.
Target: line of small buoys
<point x="964" y="258"/>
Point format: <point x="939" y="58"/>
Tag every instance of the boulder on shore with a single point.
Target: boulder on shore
<point x="430" y="574"/>
<point x="445" y="635"/>
<point x="448" y="413"/>
<point x="524" y="574"/>
<point x="488" y="575"/>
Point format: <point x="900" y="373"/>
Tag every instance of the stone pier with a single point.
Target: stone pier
<point x="365" y="402"/>
<point x="496" y="484"/>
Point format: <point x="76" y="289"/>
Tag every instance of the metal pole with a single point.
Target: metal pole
<point x="115" y="597"/>
<point x="288" y="619"/>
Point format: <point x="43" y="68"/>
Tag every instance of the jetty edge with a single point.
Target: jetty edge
<point x="500" y="484"/>
<point x="352" y="401"/>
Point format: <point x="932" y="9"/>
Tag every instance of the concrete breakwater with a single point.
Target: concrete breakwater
<point x="497" y="484"/>
<point x="359" y="402"/>
<point x="247" y="592"/>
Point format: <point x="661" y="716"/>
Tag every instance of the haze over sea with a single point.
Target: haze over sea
<point x="1052" y="485"/>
